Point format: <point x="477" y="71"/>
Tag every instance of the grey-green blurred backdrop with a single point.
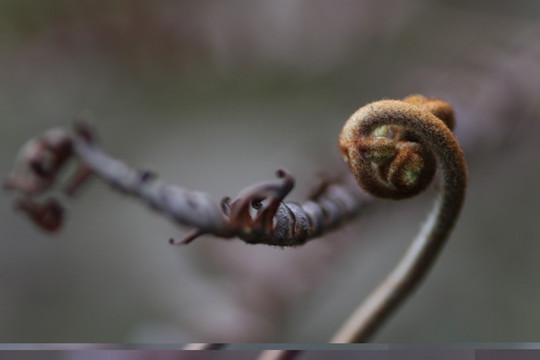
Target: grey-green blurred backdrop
<point x="215" y="96"/>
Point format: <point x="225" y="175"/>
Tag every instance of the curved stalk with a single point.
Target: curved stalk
<point x="417" y="123"/>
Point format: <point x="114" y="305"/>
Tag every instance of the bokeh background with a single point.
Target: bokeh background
<point x="215" y="96"/>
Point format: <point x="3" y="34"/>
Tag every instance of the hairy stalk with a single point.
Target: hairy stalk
<point x="393" y="149"/>
<point x="390" y="147"/>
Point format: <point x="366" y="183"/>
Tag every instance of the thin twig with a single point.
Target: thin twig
<point x="276" y="222"/>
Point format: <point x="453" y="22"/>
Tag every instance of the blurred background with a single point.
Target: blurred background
<point x="216" y="96"/>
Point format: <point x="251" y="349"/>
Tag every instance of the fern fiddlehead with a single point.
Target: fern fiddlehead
<point x="393" y="148"/>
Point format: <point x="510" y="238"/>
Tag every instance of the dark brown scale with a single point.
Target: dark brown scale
<point x="293" y="224"/>
<point x="301" y="221"/>
<point x="315" y="215"/>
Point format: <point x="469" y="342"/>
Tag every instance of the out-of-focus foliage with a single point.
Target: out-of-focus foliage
<point x="215" y="96"/>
